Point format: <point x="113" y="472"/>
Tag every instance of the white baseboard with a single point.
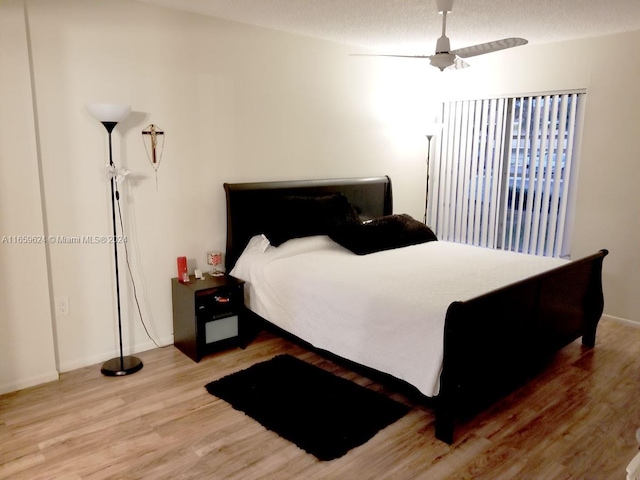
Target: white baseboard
<point x="624" y="321"/>
<point x="28" y="382"/>
<point x="80" y="363"/>
<point x="104" y="356"/>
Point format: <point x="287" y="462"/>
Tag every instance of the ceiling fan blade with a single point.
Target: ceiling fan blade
<point x="458" y="64"/>
<point x="383" y="55"/>
<point x="380" y="55"/>
<point x="489" y="47"/>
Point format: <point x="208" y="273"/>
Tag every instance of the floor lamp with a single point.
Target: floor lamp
<point x="109" y="115"/>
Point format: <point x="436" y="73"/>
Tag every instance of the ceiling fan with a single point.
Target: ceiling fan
<point x="447" y="58"/>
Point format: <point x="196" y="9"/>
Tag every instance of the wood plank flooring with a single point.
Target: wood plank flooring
<point x="577" y="420"/>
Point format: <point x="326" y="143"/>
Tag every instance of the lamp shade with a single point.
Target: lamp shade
<point x="107" y="112"/>
<point x="432" y="129"/>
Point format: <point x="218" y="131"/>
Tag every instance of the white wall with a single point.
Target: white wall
<point x="241" y="103"/>
<point x="608" y="213"/>
<point x="26" y="332"/>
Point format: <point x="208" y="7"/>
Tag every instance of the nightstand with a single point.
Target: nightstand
<point x="207" y="314"/>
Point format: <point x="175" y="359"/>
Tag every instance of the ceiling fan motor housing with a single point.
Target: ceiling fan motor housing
<point x="443" y="45"/>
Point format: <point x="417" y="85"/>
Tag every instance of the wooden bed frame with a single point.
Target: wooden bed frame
<point x="492" y="343"/>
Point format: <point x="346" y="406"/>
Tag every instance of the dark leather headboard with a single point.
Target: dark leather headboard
<point x="249" y="203"/>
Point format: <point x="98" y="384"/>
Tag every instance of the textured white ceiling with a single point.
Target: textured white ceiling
<point x="412" y="26"/>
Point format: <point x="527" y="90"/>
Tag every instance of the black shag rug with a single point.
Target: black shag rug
<point x="321" y="413"/>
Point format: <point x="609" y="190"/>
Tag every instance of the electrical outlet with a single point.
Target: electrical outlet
<point x="62" y="306"/>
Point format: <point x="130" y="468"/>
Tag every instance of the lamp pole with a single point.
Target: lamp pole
<point x="109" y="116"/>
<point x="114" y="192"/>
<point x="426" y="196"/>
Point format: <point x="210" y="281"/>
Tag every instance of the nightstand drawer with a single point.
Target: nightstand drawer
<point x="221" y="329"/>
<point x="216" y="302"/>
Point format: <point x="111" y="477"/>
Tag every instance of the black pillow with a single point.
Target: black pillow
<point x="297" y="216"/>
<point x="384" y="233"/>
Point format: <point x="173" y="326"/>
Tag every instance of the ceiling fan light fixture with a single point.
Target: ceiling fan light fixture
<point x="442" y="60"/>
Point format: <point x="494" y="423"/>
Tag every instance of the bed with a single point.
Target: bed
<point x="459" y="349"/>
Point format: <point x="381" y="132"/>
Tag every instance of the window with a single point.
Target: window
<point x="505" y="171"/>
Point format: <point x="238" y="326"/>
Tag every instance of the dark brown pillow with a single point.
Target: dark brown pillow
<point x="384" y="233"/>
<point x="298" y="216"/>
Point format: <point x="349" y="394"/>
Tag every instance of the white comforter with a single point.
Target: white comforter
<point x="384" y="310"/>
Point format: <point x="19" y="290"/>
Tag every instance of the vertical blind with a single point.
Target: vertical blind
<point x="505" y="173"/>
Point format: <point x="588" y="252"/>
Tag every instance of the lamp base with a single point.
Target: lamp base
<point x="119" y="366"/>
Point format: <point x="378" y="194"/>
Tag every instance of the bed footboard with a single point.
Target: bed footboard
<point x="495" y="342"/>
